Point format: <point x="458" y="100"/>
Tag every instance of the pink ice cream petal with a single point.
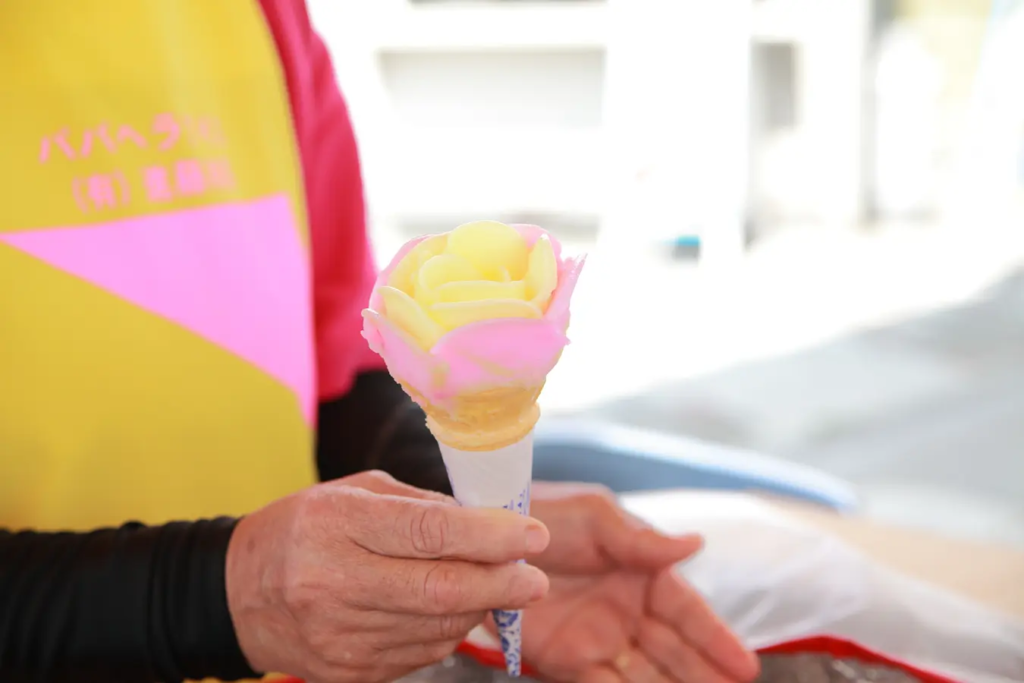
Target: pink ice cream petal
<point x="568" y="275"/>
<point x="382" y="277"/>
<point x="532" y="233"/>
<point x="405" y="360"/>
<point x="370" y="332"/>
<point x="494" y="352"/>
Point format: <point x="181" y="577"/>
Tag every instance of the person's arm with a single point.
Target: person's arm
<point x="365" y="419"/>
<point x="135" y="604"/>
<point x="375" y="425"/>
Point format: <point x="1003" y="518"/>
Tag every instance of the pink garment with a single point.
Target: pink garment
<point x="343" y="265"/>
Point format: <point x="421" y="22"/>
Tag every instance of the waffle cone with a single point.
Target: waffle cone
<point x="483" y="421"/>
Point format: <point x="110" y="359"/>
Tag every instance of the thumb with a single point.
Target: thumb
<point x="654" y="550"/>
<point x="633" y="543"/>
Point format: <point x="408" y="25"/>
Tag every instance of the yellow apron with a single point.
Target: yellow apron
<point x="156" y="354"/>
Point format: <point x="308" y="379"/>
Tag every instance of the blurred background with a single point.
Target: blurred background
<point x="805" y="218"/>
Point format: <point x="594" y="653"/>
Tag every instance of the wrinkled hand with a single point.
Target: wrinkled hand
<point x="366" y="579"/>
<point x="617" y="612"/>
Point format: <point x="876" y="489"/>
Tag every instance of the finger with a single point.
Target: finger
<point x="446" y="587"/>
<point x="676" y="603"/>
<point x="595" y="531"/>
<point x="419" y="655"/>
<point x="634" y="543"/>
<point x="634" y="667"/>
<point x="651" y="550"/>
<point x="427" y="629"/>
<point x="675" y="656"/>
<point x="382" y="482"/>
<point x="422" y="529"/>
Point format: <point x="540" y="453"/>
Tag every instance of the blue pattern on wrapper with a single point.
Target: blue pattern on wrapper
<point x="509" y="622"/>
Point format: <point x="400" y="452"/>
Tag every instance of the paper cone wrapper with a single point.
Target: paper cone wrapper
<point x="496" y="479"/>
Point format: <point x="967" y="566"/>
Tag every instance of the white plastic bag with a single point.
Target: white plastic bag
<point x="775" y="579"/>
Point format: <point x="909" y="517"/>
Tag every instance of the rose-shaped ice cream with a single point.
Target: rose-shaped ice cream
<point x="484" y="306"/>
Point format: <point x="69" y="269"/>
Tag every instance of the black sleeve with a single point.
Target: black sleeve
<point x="377" y="426"/>
<point x="135" y="604"/>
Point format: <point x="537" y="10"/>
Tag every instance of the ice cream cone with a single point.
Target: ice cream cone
<point x="499" y="478"/>
<point x="486" y="440"/>
<point x="471" y="322"/>
<point x="482" y="421"/>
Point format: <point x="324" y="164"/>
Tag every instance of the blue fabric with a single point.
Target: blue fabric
<point x="624" y="460"/>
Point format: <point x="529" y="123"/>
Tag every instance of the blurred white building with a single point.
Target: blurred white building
<point x="635" y="117"/>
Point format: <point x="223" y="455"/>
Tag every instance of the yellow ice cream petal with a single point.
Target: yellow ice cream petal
<point x="490" y="246"/>
<point x="481" y="290"/>
<point x="453" y="315"/>
<point x="541" y="273"/>
<point x="409" y="316"/>
<point x="403" y="277"/>
<point x="440" y="270"/>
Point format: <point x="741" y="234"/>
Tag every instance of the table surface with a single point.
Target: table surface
<point x="990" y="574"/>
